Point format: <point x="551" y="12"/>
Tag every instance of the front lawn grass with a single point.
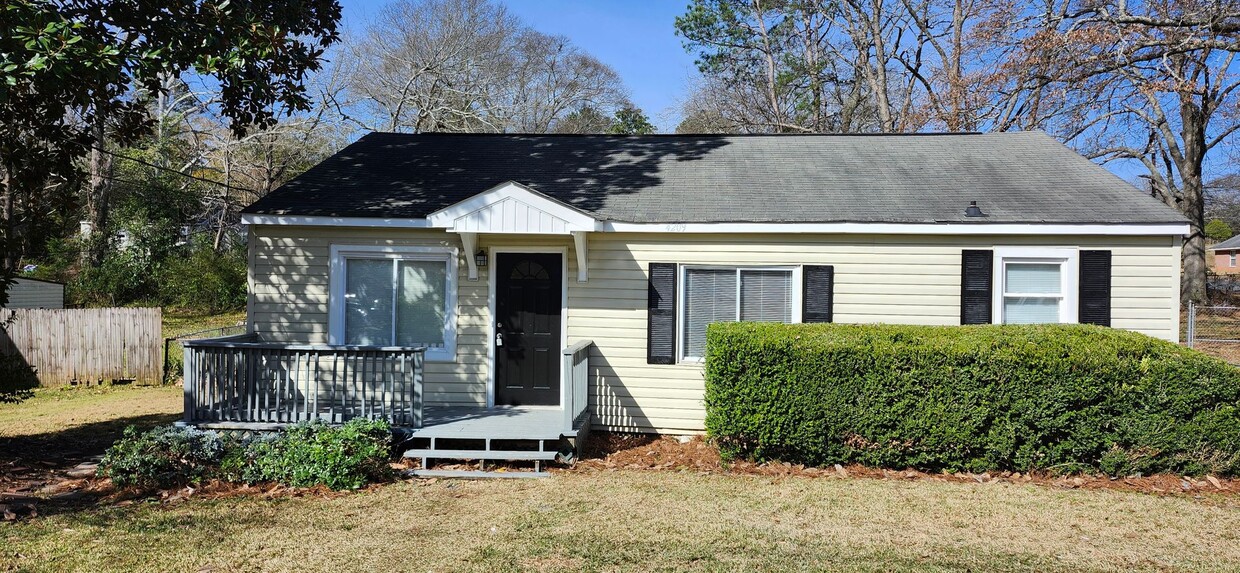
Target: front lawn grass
<point x="605" y="520"/>
<point x="646" y="521"/>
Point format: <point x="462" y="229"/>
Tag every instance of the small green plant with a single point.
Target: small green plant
<point x="314" y="453"/>
<point x="1060" y="398"/>
<point x="303" y="455"/>
<point x="166" y="456"/>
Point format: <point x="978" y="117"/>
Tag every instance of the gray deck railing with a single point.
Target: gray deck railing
<point x="576" y="382"/>
<point x="242" y="382"/>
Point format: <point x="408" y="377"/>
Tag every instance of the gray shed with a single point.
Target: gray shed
<point x="36" y="293"/>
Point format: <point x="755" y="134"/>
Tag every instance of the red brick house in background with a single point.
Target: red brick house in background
<point x="1226" y="255"/>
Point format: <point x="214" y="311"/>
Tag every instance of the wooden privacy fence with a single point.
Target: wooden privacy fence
<point x="85" y="345"/>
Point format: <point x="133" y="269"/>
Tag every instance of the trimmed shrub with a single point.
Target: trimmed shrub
<point x="167" y="456"/>
<point x="308" y="454"/>
<point x="1062" y="398"/>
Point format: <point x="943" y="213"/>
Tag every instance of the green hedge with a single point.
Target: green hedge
<point x="1063" y="398"/>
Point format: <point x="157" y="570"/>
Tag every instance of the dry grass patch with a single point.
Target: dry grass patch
<point x="53" y="410"/>
<point x="640" y="521"/>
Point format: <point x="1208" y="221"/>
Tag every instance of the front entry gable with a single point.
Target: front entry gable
<point x="512" y="208"/>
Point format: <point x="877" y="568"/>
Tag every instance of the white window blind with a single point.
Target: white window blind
<point x="766" y="296"/>
<point x="1032" y="292"/>
<point x="368" y="302"/>
<point x="710" y="296"/>
<point x="392" y="301"/>
<point x="420" y="308"/>
<point x="731" y="294"/>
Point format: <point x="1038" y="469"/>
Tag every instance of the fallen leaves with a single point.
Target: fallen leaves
<point x="609" y="452"/>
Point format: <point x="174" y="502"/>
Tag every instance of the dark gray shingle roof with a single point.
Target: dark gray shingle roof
<point x="1023" y="177"/>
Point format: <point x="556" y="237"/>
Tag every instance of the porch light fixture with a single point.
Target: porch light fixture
<point x="971" y="211"/>
<point x="480" y="259"/>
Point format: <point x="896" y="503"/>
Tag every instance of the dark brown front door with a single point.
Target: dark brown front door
<point x="528" y="294"/>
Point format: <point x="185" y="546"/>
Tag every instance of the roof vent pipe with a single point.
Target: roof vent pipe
<point x="973" y="210"/>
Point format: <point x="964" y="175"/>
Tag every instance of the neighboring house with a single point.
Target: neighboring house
<point x="1225" y="252"/>
<point x="35" y="293"/>
<point x="497" y="251"/>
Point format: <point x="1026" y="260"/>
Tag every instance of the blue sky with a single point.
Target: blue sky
<point x="635" y="37"/>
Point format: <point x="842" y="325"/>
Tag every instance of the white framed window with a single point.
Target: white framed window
<point x="1035" y="285"/>
<point x="728" y="294"/>
<point x="1232" y="260"/>
<point x="394" y="296"/>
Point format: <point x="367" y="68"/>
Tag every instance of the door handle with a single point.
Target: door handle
<point x="499" y="339"/>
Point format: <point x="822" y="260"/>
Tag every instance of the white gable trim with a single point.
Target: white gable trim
<point x="742" y="228"/>
<point x="904" y="228"/>
<point x="512" y="208"/>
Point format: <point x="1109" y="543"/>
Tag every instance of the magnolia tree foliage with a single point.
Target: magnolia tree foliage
<point x="77" y="73"/>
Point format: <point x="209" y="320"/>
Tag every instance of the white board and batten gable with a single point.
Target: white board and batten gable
<point x="513" y="208"/>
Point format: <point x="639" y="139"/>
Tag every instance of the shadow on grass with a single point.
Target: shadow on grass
<point x="29" y="463"/>
<point x="17" y="379"/>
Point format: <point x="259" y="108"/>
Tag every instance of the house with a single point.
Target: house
<point x="577" y="274"/>
<point x="1224" y="261"/>
<point x="26" y="292"/>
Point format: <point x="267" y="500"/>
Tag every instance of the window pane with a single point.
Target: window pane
<point x="710" y="296"/>
<point x="766" y="296"/>
<point x="420" y="309"/>
<point x="1030" y="310"/>
<point x="1031" y="278"/>
<point x="368" y="302"/>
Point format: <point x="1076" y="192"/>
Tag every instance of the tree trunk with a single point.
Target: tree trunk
<point x="1193" y="277"/>
<point x="1193" y="119"/>
<point x="7" y="214"/>
<point x="98" y="193"/>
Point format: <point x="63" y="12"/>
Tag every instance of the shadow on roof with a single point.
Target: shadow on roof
<point x="401" y="175"/>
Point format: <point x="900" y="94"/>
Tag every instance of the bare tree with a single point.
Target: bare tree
<point x="468" y="65"/>
<point x="856" y="65"/>
<point x="1158" y="85"/>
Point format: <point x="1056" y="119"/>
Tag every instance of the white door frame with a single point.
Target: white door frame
<point x="493" y="263"/>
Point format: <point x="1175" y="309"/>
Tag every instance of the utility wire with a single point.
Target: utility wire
<point x="169" y="170"/>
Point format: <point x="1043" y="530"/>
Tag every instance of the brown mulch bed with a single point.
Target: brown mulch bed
<point x="609" y="452"/>
<point x="26" y="490"/>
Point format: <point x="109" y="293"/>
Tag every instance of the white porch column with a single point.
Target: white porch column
<point x="581" y="245"/>
<point x="469" y="241"/>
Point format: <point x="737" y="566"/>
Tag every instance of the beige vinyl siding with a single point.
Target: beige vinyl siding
<point x="897" y="279"/>
<point x="26" y="293"/>
<point x="289" y="269"/>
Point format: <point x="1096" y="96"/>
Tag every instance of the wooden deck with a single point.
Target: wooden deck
<point x="243" y="383"/>
<point x="504" y="433"/>
<point x="498" y="423"/>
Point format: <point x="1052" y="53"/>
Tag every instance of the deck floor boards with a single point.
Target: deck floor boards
<point x="498" y="423"/>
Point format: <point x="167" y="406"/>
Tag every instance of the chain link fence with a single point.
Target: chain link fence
<point x="1214" y="330"/>
<point x="174" y="354"/>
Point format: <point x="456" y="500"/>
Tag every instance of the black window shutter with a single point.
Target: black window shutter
<point x="1095" y="285"/>
<point x="818" y="298"/>
<point x="661" y="314"/>
<point x="976" y="282"/>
